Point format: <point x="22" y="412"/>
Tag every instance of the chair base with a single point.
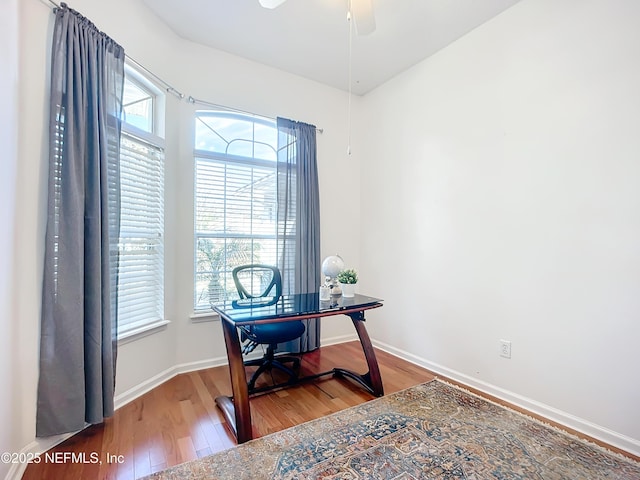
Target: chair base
<point x="269" y="362"/>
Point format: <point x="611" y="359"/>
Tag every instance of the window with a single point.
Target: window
<point x="235" y="200"/>
<point x="141" y="247"/>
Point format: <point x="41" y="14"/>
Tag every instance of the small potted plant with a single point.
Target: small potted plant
<point x="348" y="279"/>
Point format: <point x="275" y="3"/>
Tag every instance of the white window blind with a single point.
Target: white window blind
<point x="235" y="224"/>
<point x="141" y="247"/>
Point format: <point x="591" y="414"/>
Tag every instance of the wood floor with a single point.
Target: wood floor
<point x="179" y="421"/>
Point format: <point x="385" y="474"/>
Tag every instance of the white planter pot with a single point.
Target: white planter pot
<point x="348" y="289"/>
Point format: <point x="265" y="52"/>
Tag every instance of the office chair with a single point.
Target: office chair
<point x="259" y="281"/>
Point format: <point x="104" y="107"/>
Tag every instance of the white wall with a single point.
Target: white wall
<point x="10" y="440"/>
<point x="30" y="212"/>
<point x="504" y="165"/>
<point x="194" y="70"/>
<point x="504" y="173"/>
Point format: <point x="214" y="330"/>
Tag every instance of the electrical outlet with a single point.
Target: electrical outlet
<point x="505" y="348"/>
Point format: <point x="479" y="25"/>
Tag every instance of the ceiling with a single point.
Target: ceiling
<point x="310" y="38"/>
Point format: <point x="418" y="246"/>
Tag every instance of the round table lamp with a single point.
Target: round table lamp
<point x="331" y="267"/>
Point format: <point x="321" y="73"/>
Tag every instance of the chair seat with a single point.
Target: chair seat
<point x="272" y="333"/>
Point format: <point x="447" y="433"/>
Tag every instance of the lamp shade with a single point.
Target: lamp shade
<point x="271" y="3"/>
<point x="332" y="266"/>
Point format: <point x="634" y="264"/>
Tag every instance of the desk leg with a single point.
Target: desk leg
<point x="371" y="380"/>
<point x="236" y="409"/>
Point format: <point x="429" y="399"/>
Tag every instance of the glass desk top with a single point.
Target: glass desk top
<point x="291" y="306"/>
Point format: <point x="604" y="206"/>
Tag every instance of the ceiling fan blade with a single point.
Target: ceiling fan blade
<point x="362" y="12"/>
<point x="271" y="3"/>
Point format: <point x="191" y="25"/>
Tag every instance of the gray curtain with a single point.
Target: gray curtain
<point x="78" y="324"/>
<point x="299" y="219"/>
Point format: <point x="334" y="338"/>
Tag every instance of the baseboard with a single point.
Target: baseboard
<point x="562" y="418"/>
<point x="325" y="342"/>
<point x="148" y="385"/>
<point x="33" y="449"/>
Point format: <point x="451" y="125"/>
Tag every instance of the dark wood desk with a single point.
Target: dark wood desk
<point x="233" y="314"/>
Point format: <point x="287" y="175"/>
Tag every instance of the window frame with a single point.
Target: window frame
<point x="203" y="155"/>
<point x="154" y="139"/>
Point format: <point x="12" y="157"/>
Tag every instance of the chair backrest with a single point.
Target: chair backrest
<point x="257" y="280"/>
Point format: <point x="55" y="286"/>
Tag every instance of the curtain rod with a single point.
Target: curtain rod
<point x="193" y="100"/>
<point x="168" y="87"/>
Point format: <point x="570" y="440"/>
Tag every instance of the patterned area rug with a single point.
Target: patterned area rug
<point x="431" y="431"/>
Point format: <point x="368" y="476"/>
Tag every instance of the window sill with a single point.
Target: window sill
<point x="140" y="332"/>
<point x="201" y="317"/>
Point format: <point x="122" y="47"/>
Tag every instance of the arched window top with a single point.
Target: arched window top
<point x="236" y="134"/>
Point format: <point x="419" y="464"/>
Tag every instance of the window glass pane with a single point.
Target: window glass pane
<point x="235" y="210"/>
<point x="233" y="129"/>
<point x="207" y="138"/>
<point x="265" y="152"/>
<point x="138" y="106"/>
<point x="266" y="138"/>
<point x="235" y="134"/>
<point x="241" y="148"/>
<point x="141" y="246"/>
<point x="217" y="257"/>
<point x="221" y="130"/>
